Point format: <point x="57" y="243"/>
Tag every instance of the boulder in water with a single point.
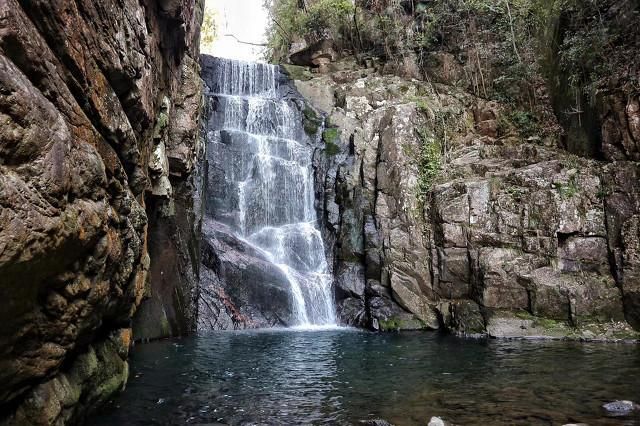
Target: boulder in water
<point x="620" y="408"/>
<point x="375" y="422"/>
<point x="436" y="421"/>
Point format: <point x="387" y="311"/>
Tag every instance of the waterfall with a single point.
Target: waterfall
<point x="265" y="161"/>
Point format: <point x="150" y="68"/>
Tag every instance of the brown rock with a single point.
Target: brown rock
<point x="81" y="84"/>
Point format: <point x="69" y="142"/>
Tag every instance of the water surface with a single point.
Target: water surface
<point x="286" y="377"/>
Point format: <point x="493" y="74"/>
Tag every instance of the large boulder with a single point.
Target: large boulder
<point x="240" y="287"/>
<point x="318" y="55"/>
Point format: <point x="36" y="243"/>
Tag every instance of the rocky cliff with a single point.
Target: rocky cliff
<point x="98" y="105"/>
<point x="441" y="214"/>
<point x="491" y="189"/>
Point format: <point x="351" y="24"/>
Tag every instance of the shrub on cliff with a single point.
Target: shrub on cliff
<point x="300" y="21"/>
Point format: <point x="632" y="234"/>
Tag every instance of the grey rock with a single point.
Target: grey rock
<point x="510" y="227"/>
<point x="436" y="421"/>
<point x="620" y="408"/>
<point x="240" y="287"/>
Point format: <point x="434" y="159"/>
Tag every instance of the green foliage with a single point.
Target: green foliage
<point x="290" y="23"/>
<point x="208" y="31"/>
<point x="326" y="16"/>
<point x="330" y="136"/>
<point x="311" y="121"/>
<point x="598" y="38"/>
<point x="525" y="123"/>
<point x="603" y="192"/>
<point x="430" y="161"/>
<point x="570" y="189"/>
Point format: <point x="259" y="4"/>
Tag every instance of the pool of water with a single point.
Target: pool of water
<point x="340" y="377"/>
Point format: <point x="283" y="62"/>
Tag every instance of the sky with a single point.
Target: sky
<point x="238" y="20"/>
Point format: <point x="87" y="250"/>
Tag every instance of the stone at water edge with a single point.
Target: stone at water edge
<point x="375" y="422"/>
<point x="621" y="407"/>
<point x="436" y="421"/>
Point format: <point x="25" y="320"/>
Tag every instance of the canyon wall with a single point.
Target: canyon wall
<point x="441" y="215"/>
<point x="99" y="105"/>
<point x="480" y="164"/>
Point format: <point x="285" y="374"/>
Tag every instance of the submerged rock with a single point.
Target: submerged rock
<point x="375" y="422"/>
<point x="620" y="408"/>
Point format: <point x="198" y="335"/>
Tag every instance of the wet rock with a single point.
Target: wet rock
<point x="352" y="312"/>
<point x="620" y="408"/>
<point x="436" y="421"/>
<point x="464" y="317"/>
<point x="240" y="287"/>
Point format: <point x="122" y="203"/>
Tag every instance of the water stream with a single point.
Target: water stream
<point x="268" y="180"/>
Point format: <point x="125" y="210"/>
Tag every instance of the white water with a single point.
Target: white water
<point x="269" y="172"/>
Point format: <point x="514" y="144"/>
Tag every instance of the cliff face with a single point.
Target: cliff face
<point x="98" y="106"/>
<point x="443" y="216"/>
<point x="461" y="202"/>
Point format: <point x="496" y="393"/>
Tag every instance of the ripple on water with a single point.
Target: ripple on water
<point x="340" y="376"/>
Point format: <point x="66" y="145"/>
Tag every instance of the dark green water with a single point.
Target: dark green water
<point x="341" y="377"/>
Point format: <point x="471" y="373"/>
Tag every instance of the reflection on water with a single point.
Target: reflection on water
<point x="342" y="376"/>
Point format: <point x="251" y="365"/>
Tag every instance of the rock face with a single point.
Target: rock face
<point x="440" y="216"/>
<point x="319" y="55"/>
<point x="240" y="287"/>
<point x="98" y="107"/>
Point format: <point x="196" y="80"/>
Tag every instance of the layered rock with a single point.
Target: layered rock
<point x="488" y="233"/>
<point x="94" y="139"/>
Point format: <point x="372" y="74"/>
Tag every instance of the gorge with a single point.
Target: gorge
<point x="418" y="209"/>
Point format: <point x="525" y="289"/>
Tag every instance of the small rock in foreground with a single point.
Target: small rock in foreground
<point x="620" y="408"/>
<point x="436" y="421"/>
<point x="375" y="422"/>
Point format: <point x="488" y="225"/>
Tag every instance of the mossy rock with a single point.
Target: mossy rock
<point x="331" y="149"/>
<point x="311" y="121"/>
<point x="330" y="136"/>
<point x="397" y="324"/>
<point x="295" y="72"/>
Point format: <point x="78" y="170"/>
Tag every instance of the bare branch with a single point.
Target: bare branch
<point x="244" y="42"/>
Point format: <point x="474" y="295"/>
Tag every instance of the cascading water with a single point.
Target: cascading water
<point x="266" y="165"/>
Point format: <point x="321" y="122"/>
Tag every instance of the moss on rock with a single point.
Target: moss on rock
<point x="311" y="121"/>
<point x="398" y="324"/>
<point x="330" y="136"/>
<point x="296" y="72"/>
